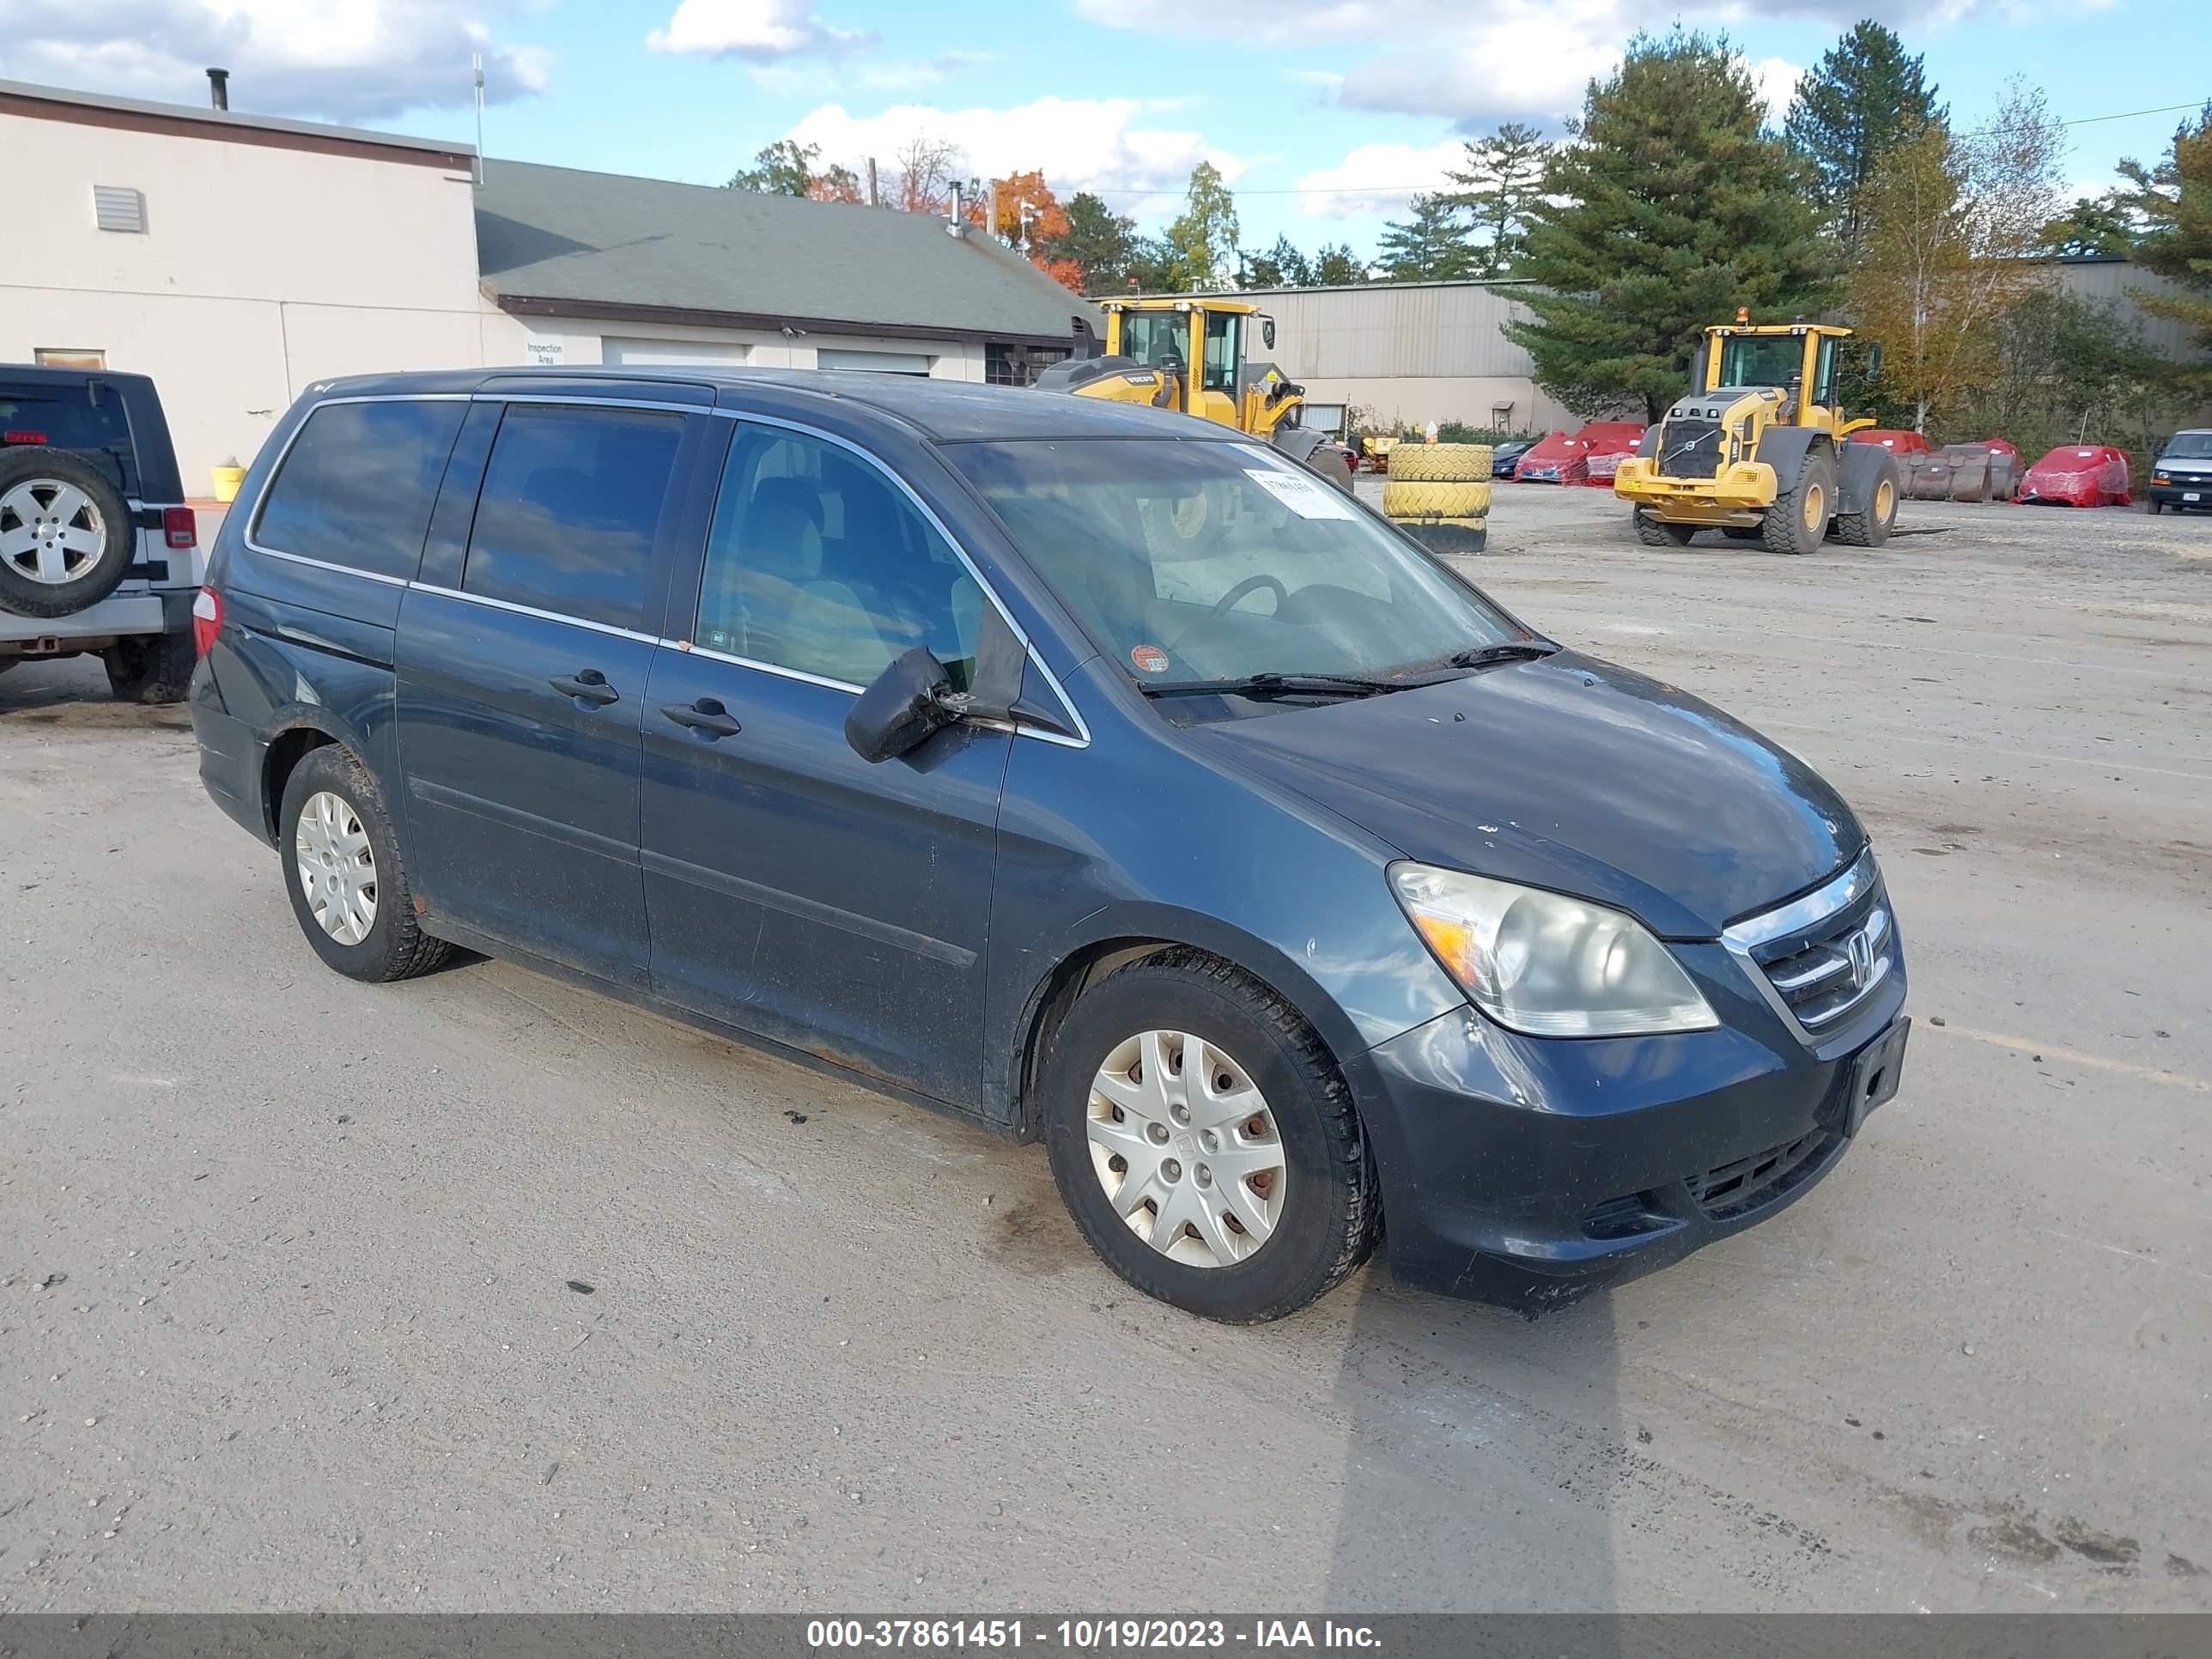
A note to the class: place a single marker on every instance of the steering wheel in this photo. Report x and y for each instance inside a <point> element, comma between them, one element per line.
<point>1227,602</point>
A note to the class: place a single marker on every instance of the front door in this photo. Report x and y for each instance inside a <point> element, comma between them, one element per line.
<point>521,692</point>
<point>794,889</point>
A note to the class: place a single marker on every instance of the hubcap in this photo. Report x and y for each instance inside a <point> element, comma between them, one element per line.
<point>337,871</point>
<point>49,531</point>
<point>1816,507</point>
<point>1186,1149</point>
<point>1885,498</point>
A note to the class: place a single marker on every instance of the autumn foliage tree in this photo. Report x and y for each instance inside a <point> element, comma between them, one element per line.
<point>1021,211</point>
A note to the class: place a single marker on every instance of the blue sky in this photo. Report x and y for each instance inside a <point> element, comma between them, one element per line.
<point>1320,112</point>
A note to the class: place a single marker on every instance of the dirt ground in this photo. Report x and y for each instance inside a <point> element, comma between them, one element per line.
<point>286,1310</point>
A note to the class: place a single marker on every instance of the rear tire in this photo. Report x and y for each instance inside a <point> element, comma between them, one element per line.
<point>1657,532</point>
<point>1320,1222</point>
<point>66,538</point>
<point>1871,527</point>
<point>153,669</point>
<point>344,872</point>
<point>1798,522</point>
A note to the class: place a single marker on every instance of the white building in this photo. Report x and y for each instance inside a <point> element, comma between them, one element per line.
<point>237,259</point>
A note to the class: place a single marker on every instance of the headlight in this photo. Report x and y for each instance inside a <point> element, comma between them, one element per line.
<point>1545,964</point>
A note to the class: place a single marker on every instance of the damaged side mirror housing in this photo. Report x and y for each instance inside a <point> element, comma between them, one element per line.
<point>910,703</point>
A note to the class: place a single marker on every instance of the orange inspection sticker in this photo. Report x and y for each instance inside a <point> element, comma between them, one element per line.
<point>1150,658</point>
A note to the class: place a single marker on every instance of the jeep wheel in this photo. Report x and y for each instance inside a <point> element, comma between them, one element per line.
<point>66,537</point>
<point>152,668</point>
<point>1203,1140</point>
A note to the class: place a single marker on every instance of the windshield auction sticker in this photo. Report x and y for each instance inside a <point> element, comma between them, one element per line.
<point>1149,658</point>
<point>1309,498</point>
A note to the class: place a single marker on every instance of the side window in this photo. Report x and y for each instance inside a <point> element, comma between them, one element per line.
<point>816,563</point>
<point>358,483</point>
<point>1222,329</point>
<point>571,502</point>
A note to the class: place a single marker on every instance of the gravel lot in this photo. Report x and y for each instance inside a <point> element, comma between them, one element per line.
<point>285,1318</point>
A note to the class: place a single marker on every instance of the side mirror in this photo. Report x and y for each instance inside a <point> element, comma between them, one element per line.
<point>1268,332</point>
<point>910,703</point>
<point>1873,360</point>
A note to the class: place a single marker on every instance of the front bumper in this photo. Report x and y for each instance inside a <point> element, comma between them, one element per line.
<point>1530,1172</point>
<point>2172,494</point>
<point>1745,486</point>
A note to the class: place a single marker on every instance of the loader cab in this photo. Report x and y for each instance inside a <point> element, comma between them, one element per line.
<point>1201,343</point>
<point>1809,361</point>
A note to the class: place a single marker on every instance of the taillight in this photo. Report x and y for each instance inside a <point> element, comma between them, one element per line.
<point>180,526</point>
<point>207,620</point>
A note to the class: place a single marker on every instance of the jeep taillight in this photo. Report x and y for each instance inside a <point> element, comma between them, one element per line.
<point>207,620</point>
<point>179,526</point>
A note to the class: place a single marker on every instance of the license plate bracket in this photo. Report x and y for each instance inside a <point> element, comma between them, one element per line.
<point>2188,494</point>
<point>1874,1075</point>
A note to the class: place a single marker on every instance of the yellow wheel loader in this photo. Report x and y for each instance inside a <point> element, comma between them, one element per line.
<point>1190,355</point>
<point>1757,449</point>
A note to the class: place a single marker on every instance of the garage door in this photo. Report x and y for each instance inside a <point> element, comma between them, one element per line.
<point>876,362</point>
<point>673,353</point>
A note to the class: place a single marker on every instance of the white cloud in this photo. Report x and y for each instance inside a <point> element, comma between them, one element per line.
<point>360,60</point>
<point>1378,178</point>
<point>1080,143</point>
<point>1777,79</point>
<point>760,30</point>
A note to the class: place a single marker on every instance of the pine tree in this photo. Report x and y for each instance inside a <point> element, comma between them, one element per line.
<point>1203,239</point>
<point>1281,266</point>
<point>1338,266</point>
<point>1432,245</point>
<point>1502,181</point>
<point>2174,203</point>
<point>1671,209</point>
<point>1097,241</point>
<point>1865,96</point>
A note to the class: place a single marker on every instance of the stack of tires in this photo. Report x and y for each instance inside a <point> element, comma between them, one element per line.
<point>1439,494</point>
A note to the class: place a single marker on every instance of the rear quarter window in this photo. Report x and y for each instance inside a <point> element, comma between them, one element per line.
<point>85,419</point>
<point>357,485</point>
<point>571,504</point>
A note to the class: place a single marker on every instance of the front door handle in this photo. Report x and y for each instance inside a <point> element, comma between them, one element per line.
<point>586,686</point>
<point>707,717</point>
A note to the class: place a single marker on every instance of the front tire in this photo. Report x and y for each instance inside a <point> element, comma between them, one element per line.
<point>1798,522</point>
<point>343,870</point>
<point>1204,1141</point>
<point>1657,532</point>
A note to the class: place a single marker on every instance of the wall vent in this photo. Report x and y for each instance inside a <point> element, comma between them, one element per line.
<point>118,207</point>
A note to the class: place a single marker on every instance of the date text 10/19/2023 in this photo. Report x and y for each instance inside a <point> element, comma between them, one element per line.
<point>1083,1635</point>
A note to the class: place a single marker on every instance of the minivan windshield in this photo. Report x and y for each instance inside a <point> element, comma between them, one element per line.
<point>1197,561</point>
<point>2189,447</point>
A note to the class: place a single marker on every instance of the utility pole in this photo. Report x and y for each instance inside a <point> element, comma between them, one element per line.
<point>476,67</point>
<point>994,209</point>
<point>873,199</point>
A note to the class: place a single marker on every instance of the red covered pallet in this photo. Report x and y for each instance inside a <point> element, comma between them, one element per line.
<point>2078,475</point>
<point>1899,440</point>
<point>1564,458</point>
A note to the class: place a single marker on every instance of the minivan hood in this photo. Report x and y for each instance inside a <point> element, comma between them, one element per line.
<point>1570,774</point>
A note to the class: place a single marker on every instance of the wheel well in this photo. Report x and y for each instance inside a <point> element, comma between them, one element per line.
<point>1050,1003</point>
<point>286,750</point>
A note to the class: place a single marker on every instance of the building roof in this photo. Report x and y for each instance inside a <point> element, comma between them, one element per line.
<point>198,121</point>
<point>560,242</point>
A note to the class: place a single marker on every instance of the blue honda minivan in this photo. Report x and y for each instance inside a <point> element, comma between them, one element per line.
<point>1097,774</point>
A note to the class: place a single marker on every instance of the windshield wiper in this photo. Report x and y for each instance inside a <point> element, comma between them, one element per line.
<point>1278,685</point>
<point>1507,651</point>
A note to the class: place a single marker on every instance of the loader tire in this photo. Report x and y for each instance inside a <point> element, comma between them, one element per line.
<point>1455,537</point>
<point>1870,528</point>
<point>1440,463</point>
<point>1657,532</point>
<point>1798,522</point>
<point>1404,498</point>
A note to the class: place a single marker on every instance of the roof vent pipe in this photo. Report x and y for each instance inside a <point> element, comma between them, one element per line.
<point>219,88</point>
<point>959,225</point>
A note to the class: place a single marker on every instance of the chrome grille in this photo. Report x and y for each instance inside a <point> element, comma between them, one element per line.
<point>1820,957</point>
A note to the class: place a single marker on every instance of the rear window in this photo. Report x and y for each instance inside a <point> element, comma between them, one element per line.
<point>571,502</point>
<point>85,418</point>
<point>358,483</point>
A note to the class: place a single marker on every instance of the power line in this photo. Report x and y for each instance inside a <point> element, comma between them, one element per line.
<point>1401,190</point>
